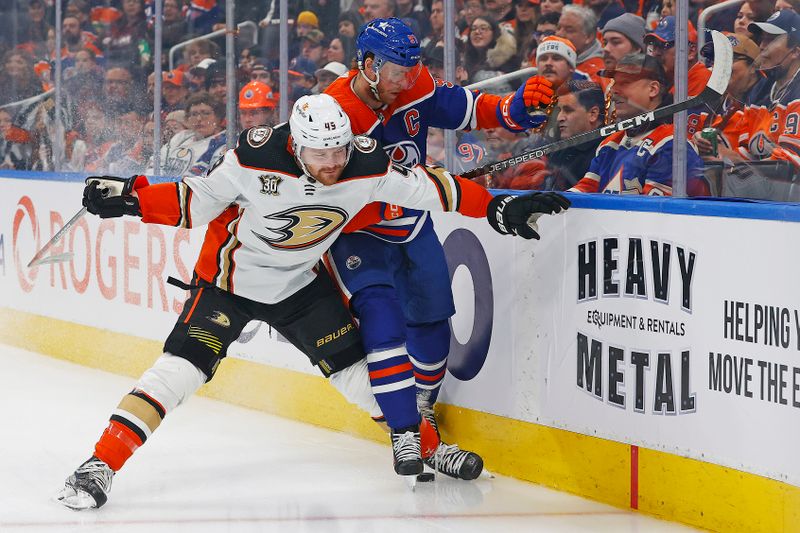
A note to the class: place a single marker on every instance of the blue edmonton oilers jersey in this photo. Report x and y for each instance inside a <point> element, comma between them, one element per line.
<point>402,128</point>
<point>636,165</point>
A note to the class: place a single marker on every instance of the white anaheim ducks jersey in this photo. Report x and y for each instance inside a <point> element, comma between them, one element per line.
<point>269,225</point>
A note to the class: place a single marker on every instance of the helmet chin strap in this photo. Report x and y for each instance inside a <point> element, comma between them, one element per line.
<point>373,85</point>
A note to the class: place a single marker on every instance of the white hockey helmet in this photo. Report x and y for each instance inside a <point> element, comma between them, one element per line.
<point>318,121</point>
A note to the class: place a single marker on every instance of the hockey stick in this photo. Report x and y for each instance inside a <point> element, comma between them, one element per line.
<point>717,84</point>
<point>39,258</point>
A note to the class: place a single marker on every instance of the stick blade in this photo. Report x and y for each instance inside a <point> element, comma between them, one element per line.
<point>723,62</point>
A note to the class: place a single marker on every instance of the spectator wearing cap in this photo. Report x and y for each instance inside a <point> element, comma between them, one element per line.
<point>305,22</point>
<point>378,9</point>
<point>729,116</point>
<point>622,35</point>
<point>772,131</point>
<point>302,77</point>
<point>578,24</point>
<point>327,74</point>
<point>173,91</point>
<point>216,81</point>
<point>256,105</point>
<point>259,71</point>
<point>638,160</point>
<point>312,47</point>
<point>490,50</point>
<point>556,58</point>
<point>660,44</point>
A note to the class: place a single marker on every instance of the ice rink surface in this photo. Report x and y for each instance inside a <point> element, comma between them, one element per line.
<point>214,467</point>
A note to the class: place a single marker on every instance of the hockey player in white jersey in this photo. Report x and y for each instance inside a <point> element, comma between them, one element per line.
<point>273,206</point>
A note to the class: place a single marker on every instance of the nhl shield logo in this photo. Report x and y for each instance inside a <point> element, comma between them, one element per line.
<point>364,144</point>
<point>269,184</point>
<point>353,262</point>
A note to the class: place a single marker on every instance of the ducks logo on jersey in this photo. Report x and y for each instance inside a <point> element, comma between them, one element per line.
<point>302,227</point>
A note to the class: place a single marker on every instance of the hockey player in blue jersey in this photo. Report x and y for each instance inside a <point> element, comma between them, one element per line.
<point>394,271</point>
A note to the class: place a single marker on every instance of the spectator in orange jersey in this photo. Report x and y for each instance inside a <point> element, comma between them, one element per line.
<point>729,118</point>
<point>772,126</point>
<point>578,24</point>
<point>661,45</point>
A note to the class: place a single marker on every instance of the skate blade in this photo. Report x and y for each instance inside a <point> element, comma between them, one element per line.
<point>485,474</point>
<point>75,500</point>
<point>411,481</point>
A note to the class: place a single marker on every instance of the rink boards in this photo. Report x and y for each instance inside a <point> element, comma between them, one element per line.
<point>644,353</point>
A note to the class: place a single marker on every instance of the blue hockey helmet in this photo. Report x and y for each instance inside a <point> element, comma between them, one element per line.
<point>388,40</point>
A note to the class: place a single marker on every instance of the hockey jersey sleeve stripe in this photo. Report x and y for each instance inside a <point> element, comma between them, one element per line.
<point>218,241</point>
<point>388,231</point>
<point>165,204</point>
<point>473,199</point>
<point>228,263</point>
<point>486,111</point>
<point>468,116</point>
<point>445,192</point>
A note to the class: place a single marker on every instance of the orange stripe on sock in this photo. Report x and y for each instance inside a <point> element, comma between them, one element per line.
<point>423,377</point>
<point>391,371</point>
<point>116,445</point>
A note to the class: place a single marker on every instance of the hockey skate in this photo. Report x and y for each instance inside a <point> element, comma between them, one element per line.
<point>449,459</point>
<point>406,450</point>
<point>88,487</point>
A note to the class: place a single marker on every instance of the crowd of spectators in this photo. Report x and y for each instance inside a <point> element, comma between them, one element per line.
<point>107,60</point>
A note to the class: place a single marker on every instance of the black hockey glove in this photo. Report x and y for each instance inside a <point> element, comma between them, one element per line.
<point>111,197</point>
<point>517,215</point>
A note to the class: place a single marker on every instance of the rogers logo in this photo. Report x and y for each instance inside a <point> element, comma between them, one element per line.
<point>25,212</point>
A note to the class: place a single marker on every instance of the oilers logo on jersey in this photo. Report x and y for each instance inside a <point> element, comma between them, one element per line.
<point>404,153</point>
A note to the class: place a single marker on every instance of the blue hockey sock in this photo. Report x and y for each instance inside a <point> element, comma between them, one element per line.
<point>428,346</point>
